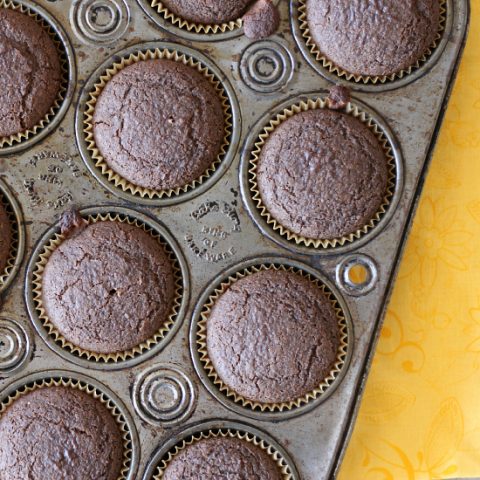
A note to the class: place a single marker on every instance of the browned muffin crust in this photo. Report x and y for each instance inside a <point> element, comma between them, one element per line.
<point>220,458</point>
<point>31,73</point>
<point>338,97</point>
<point>5,238</point>
<point>373,38</point>
<point>261,20</point>
<point>208,12</point>
<point>159,124</point>
<point>72,223</point>
<point>109,288</point>
<point>273,336</point>
<point>59,432</point>
<point>322,174</point>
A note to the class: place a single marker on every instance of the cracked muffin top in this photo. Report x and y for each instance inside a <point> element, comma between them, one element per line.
<point>322,174</point>
<point>222,458</point>
<point>5,238</point>
<point>59,432</point>
<point>108,288</point>
<point>373,38</point>
<point>273,336</point>
<point>159,124</point>
<point>208,12</point>
<point>31,72</point>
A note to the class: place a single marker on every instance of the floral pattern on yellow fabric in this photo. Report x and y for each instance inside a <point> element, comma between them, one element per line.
<point>419,417</point>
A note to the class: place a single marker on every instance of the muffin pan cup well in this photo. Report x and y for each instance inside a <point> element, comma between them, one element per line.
<point>151,346</point>
<point>272,227</point>
<point>67,379</point>
<point>167,20</point>
<point>334,73</point>
<point>218,429</point>
<point>17,247</point>
<point>25,139</point>
<point>235,401</point>
<point>93,157</point>
<point>212,230</point>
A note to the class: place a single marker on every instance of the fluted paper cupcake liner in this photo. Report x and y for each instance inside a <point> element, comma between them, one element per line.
<point>12,258</point>
<point>303,106</point>
<point>100,163</point>
<point>201,343</point>
<point>94,392</point>
<point>282,464</point>
<point>60,340</point>
<point>200,28</point>
<point>29,133</point>
<point>330,66</point>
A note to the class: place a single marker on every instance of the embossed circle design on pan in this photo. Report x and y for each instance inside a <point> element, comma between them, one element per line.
<point>131,359</point>
<point>266,66</point>
<point>164,395</point>
<point>100,21</point>
<point>15,345</point>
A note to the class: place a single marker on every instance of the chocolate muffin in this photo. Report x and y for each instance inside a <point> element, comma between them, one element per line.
<point>5,238</point>
<point>207,12</point>
<point>222,458</point>
<point>159,124</point>
<point>109,288</point>
<point>59,432</point>
<point>373,38</point>
<point>31,72</point>
<point>273,336</point>
<point>322,174</point>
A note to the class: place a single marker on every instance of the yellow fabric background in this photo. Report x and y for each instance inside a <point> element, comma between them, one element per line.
<point>420,417</point>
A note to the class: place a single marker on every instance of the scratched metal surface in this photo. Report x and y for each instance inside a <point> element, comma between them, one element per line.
<point>214,230</point>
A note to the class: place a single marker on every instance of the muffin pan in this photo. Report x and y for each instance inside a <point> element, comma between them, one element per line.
<point>214,229</point>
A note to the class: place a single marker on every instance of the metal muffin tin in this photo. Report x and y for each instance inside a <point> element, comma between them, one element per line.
<point>163,394</point>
